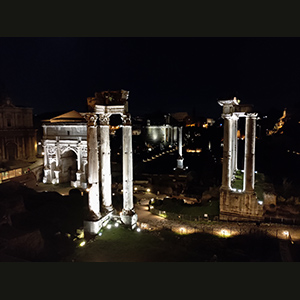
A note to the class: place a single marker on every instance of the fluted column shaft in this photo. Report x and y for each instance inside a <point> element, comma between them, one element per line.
<point>127,165</point>
<point>105,163</point>
<point>249,159</point>
<point>93,165</point>
<point>227,152</point>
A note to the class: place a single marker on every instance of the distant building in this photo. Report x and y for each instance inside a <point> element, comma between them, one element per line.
<point>17,134</point>
<point>160,130</point>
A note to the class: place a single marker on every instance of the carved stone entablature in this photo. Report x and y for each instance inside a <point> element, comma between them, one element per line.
<point>116,109</point>
<point>126,119</point>
<point>110,110</point>
<point>104,119</point>
<point>91,119</point>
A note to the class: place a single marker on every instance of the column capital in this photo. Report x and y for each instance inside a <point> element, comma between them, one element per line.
<point>251,115</point>
<point>104,119</point>
<point>91,119</point>
<point>228,116</point>
<point>126,119</point>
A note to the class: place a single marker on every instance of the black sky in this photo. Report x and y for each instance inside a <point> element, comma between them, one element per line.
<point>168,74</point>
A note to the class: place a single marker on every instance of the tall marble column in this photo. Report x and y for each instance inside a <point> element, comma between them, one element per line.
<point>180,158</point>
<point>47,171</point>
<point>175,134</point>
<point>127,166</point>
<point>234,144</point>
<point>249,159</point>
<point>79,163</point>
<point>227,152</point>
<point>93,167</point>
<point>56,170</point>
<point>105,163</point>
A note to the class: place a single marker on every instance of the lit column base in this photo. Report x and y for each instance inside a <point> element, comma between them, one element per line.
<point>180,163</point>
<point>56,175</point>
<point>46,178</point>
<point>93,227</point>
<point>129,218</point>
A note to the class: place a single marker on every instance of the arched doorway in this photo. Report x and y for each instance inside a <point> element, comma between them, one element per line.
<point>68,166</point>
<point>11,150</point>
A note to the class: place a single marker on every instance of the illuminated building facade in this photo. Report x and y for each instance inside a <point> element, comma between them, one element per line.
<point>17,134</point>
<point>238,204</point>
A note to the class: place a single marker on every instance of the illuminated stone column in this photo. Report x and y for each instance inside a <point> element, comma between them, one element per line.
<point>227,152</point>
<point>79,163</point>
<point>234,144</point>
<point>57,160</point>
<point>175,134</point>
<point>127,164</point>
<point>180,158</point>
<point>47,171</point>
<point>249,159</point>
<point>105,163</point>
<point>128,215</point>
<point>93,167</point>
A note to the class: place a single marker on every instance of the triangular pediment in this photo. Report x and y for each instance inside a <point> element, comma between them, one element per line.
<point>71,116</point>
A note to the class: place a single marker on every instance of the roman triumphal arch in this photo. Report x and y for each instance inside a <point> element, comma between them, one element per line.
<point>238,204</point>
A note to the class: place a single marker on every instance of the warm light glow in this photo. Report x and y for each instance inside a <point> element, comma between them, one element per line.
<point>148,190</point>
<point>82,244</point>
<point>286,233</point>
<point>116,224</point>
<point>138,229</point>
<point>182,230</point>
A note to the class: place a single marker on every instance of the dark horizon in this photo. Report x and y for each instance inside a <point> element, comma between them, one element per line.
<point>166,74</point>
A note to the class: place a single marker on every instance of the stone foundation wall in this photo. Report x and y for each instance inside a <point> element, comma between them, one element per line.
<point>239,207</point>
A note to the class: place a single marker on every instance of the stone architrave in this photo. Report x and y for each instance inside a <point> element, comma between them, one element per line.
<point>249,159</point>
<point>93,167</point>
<point>105,163</point>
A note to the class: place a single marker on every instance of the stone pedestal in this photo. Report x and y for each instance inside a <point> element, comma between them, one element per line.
<point>47,175</point>
<point>239,207</point>
<point>129,218</point>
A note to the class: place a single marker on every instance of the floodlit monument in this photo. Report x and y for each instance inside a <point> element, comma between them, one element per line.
<point>65,149</point>
<point>77,150</point>
<point>242,204</point>
<point>101,107</point>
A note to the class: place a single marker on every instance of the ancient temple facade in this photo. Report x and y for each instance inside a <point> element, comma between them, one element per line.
<point>238,204</point>
<point>17,134</point>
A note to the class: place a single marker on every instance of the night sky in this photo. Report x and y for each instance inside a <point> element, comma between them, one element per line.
<point>166,74</point>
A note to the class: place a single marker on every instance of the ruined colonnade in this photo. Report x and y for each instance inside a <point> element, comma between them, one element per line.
<point>238,204</point>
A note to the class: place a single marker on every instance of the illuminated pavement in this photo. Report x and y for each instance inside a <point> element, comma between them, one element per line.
<point>149,221</point>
